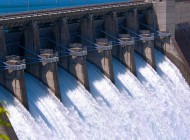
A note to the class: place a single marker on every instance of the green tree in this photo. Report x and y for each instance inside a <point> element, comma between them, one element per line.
<point>3,112</point>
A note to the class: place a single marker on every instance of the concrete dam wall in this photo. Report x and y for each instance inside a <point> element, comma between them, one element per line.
<point>38,42</point>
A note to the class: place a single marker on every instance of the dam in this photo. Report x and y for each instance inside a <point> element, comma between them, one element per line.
<point>95,69</point>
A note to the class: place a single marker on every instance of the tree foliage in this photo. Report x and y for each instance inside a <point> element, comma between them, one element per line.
<point>3,123</point>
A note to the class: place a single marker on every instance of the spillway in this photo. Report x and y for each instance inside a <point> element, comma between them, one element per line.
<point>170,110</point>
<point>21,120</point>
<point>174,79</point>
<point>48,111</point>
<point>98,118</point>
<point>138,98</point>
<point>118,103</point>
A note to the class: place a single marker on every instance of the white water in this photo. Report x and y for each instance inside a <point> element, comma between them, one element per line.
<point>156,106</point>
<point>128,84</point>
<point>174,79</point>
<point>170,110</point>
<point>49,112</point>
<point>98,119</point>
<point>23,123</point>
<point>133,127</point>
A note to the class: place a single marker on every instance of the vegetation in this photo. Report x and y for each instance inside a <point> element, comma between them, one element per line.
<point>3,112</point>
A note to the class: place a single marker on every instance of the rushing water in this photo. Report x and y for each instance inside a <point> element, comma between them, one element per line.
<point>98,119</point>
<point>23,123</point>
<point>153,105</point>
<point>175,81</point>
<point>128,84</point>
<point>171,111</point>
<point>119,104</point>
<point>48,111</point>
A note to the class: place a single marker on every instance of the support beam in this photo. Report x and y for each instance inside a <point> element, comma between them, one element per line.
<point>46,70</point>
<point>3,50</point>
<point>151,18</point>
<point>125,52</point>
<point>132,21</point>
<point>87,30</point>
<point>146,47</point>
<point>77,64</point>
<point>61,37</point>
<point>111,25</point>
<point>102,57</point>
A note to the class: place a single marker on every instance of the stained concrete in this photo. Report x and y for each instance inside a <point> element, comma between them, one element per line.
<point>13,80</point>
<point>77,64</point>
<point>111,26</point>
<point>132,21</point>
<point>87,30</point>
<point>125,52</point>
<point>102,58</point>
<point>61,37</point>
<point>46,70</point>
<point>146,48</point>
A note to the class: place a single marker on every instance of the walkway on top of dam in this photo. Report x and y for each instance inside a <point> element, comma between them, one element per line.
<point>22,18</point>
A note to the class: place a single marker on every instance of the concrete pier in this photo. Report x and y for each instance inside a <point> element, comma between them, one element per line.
<point>150,18</point>
<point>3,50</point>
<point>125,52</point>
<point>102,57</point>
<point>132,21</point>
<point>146,47</point>
<point>46,70</point>
<point>61,37</point>
<point>87,30</point>
<point>111,25</point>
<point>163,42</point>
<point>77,64</point>
<point>13,77</point>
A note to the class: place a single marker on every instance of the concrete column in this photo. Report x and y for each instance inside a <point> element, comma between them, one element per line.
<point>3,50</point>
<point>132,22</point>
<point>32,43</point>
<point>49,71</point>
<point>151,18</point>
<point>87,30</point>
<point>125,52</point>
<point>77,64</point>
<point>163,42</point>
<point>111,25</point>
<point>46,70</point>
<point>6,130</point>
<point>61,37</point>
<point>146,49</point>
<point>14,78</point>
<point>102,57</point>
<point>165,12</point>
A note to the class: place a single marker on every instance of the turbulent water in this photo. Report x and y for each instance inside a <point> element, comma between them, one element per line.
<point>138,97</point>
<point>170,110</point>
<point>97,118</point>
<point>132,126</point>
<point>49,112</point>
<point>153,105</point>
<point>23,123</point>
